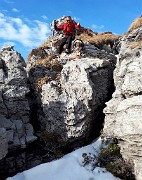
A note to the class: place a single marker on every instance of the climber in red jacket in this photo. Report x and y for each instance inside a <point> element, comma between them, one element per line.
<point>69,33</point>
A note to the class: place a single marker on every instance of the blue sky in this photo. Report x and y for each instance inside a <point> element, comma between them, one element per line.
<point>26,24</point>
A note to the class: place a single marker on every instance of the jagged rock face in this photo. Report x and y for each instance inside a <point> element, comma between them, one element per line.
<point>124,111</point>
<point>65,102</point>
<point>14,107</point>
<point>3,143</point>
<point>71,108</point>
<point>69,103</point>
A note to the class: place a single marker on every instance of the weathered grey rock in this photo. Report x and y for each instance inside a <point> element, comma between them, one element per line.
<point>69,100</point>
<point>3,143</point>
<point>14,107</point>
<point>124,111</point>
<point>71,105</point>
<point>1,76</point>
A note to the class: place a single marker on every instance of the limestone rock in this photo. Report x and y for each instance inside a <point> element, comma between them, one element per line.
<point>124,110</point>
<point>68,90</point>
<point>14,105</point>
<point>70,101</point>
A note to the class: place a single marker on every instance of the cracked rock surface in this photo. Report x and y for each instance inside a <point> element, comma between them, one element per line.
<point>124,111</point>
<point>14,107</point>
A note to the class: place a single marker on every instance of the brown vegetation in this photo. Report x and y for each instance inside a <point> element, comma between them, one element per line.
<point>47,43</point>
<point>51,63</point>
<point>110,158</point>
<point>40,81</point>
<point>86,31</point>
<point>100,39</point>
<point>135,44</point>
<point>87,35</point>
<point>137,23</point>
<point>44,62</point>
<point>51,144</point>
<point>40,53</point>
<point>56,66</point>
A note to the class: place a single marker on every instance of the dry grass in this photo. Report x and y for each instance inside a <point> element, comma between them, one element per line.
<point>53,65</point>
<point>87,31</point>
<point>47,43</point>
<point>56,66</point>
<point>87,35</point>
<point>50,62</point>
<point>40,81</point>
<point>137,23</point>
<point>136,44</point>
<point>39,52</point>
<point>44,62</point>
<point>99,39</point>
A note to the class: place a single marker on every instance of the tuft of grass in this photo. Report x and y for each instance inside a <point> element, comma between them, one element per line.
<point>111,159</point>
<point>135,44</point>
<point>46,43</point>
<point>52,142</point>
<point>40,53</point>
<point>56,66</point>
<point>51,62</point>
<point>137,23</point>
<point>52,65</point>
<point>99,40</point>
<point>86,31</point>
<point>44,62</point>
<point>40,81</point>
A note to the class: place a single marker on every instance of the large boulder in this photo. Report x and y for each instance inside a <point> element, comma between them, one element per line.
<point>68,95</point>
<point>124,111</point>
<point>71,105</point>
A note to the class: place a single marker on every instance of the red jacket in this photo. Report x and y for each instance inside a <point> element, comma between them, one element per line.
<point>68,28</point>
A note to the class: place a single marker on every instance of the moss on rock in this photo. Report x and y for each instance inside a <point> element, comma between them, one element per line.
<point>111,158</point>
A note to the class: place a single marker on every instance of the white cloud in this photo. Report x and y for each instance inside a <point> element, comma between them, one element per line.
<point>97,27</point>
<point>15,10</point>
<point>30,34</point>
<point>44,17</point>
<point>1,15</point>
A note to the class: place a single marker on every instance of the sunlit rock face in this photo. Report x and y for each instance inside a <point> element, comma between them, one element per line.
<point>14,107</point>
<point>124,111</point>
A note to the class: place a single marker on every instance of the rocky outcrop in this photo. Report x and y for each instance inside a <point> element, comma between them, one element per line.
<point>71,106</point>
<point>61,98</point>
<point>14,107</point>
<point>69,94</point>
<point>124,110</point>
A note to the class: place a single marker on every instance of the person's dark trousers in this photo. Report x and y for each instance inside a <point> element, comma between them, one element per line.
<point>66,40</point>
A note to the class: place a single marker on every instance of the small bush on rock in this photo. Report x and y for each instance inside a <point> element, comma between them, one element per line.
<point>111,159</point>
